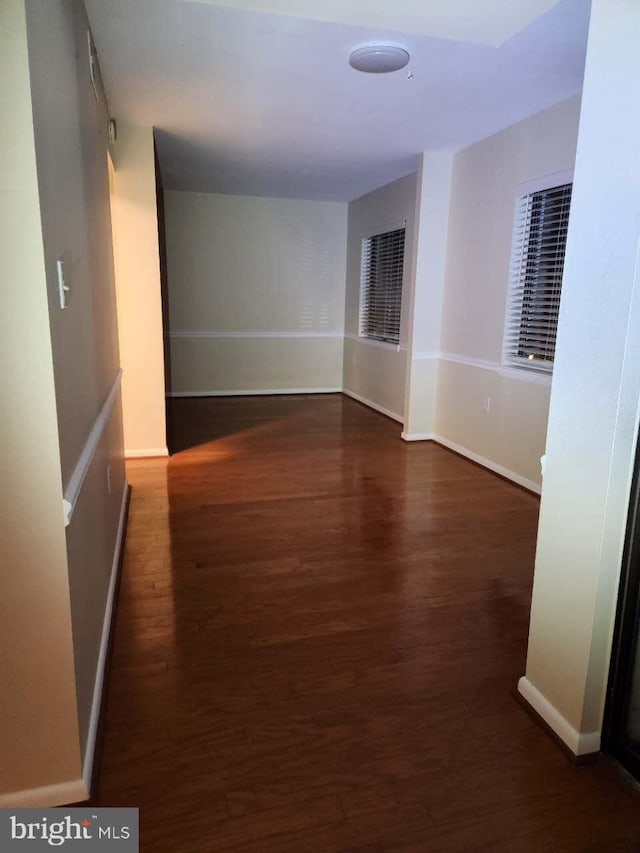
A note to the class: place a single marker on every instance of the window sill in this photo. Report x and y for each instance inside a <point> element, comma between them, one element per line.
<point>526,374</point>
<point>374,342</point>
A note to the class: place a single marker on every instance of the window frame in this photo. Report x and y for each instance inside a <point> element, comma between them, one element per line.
<point>387,228</point>
<point>524,190</point>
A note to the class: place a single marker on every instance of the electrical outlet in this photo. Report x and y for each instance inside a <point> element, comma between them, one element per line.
<point>109,479</point>
<point>486,405</point>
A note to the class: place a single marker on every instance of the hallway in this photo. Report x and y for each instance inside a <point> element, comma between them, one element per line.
<point>319,634</point>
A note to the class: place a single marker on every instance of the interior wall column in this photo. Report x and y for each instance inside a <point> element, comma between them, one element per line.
<point>39,736</point>
<point>594,400</point>
<point>136,250</point>
<point>427,291</point>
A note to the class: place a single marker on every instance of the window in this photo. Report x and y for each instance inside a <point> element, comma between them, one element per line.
<point>535,280</point>
<point>381,286</point>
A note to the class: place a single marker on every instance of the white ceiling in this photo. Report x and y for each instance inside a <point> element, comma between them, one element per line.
<point>254,103</point>
<point>489,22</point>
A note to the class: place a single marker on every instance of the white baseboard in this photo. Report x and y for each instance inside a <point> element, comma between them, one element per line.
<point>255,392</point>
<point>415,436</point>
<point>418,436</point>
<point>475,457</point>
<point>47,796</point>
<point>365,401</point>
<point>89,755</point>
<point>146,453</point>
<point>580,743</point>
<point>490,464</point>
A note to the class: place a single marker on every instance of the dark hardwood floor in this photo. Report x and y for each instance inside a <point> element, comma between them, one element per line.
<point>319,635</point>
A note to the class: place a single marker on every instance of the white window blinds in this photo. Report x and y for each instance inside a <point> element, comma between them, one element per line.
<point>537,264</point>
<point>381,275</point>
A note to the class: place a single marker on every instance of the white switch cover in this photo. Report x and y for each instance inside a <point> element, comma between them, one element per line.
<point>62,287</point>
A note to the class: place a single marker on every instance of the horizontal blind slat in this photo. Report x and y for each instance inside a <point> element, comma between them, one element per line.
<point>541,221</point>
<point>381,279</point>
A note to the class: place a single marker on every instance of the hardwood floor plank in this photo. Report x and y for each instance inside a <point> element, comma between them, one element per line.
<point>319,633</point>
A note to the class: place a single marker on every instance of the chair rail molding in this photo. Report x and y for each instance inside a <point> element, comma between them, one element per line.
<point>298,334</point>
<point>425,356</point>
<point>503,370</point>
<point>76,481</point>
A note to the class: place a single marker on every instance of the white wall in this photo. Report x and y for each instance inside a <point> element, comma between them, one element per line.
<point>64,423</point>
<point>373,370</point>
<point>256,293</point>
<point>139,295</point>
<point>71,143</point>
<point>485,181</point>
<point>428,282</point>
<point>593,418</point>
<point>39,739</point>
<point>70,127</point>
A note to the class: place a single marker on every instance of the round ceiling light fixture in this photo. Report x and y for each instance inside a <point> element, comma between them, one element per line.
<point>379,58</point>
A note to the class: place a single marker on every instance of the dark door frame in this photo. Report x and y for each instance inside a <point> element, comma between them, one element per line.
<point>626,637</point>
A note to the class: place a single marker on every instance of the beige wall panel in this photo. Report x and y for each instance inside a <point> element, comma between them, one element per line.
<point>137,260</point>
<point>243,265</point>
<point>485,182</point>
<point>378,373</point>
<point>255,364</point>
<point>38,721</point>
<point>71,144</point>
<point>238,264</point>
<point>375,373</point>
<point>70,127</point>
<point>484,186</point>
<point>91,542</point>
<point>511,434</point>
<point>593,417</point>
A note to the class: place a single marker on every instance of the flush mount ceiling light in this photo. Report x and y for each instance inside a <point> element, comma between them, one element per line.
<point>379,58</point>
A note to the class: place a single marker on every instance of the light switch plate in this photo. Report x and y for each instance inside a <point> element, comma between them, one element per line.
<point>62,287</point>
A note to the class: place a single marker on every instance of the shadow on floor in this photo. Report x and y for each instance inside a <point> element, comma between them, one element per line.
<point>198,421</point>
